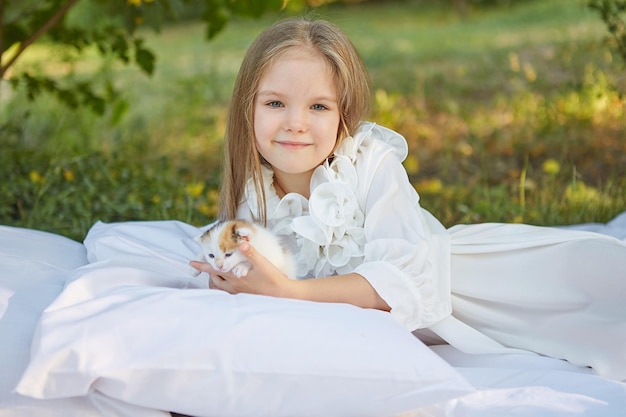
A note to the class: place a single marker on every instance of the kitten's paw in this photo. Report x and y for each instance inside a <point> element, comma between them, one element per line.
<point>241,270</point>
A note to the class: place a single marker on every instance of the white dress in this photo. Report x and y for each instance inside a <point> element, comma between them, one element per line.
<point>482,288</point>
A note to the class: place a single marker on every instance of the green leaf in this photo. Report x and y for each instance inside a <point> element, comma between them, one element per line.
<point>144,58</point>
<point>68,97</point>
<point>13,33</point>
<point>97,104</point>
<point>216,16</point>
<point>119,46</point>
<point>120,108</point>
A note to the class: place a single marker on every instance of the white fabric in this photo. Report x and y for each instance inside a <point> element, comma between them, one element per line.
<point>553,291</point>
<point>134,335</point>
<point>161,246</point>
<point>33,269</point>
<point>511,385</point>
<point>363,207</point>
<point>556,292</point>
<point>616,227</point>
<point>516,385</point>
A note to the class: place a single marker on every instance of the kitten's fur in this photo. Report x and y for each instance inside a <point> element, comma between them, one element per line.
<point>220,247</point>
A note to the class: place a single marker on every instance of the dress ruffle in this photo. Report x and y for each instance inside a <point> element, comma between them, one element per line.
<point>328,227</point>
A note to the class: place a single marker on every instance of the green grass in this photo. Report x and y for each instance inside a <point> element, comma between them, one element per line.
<point>491,103</point>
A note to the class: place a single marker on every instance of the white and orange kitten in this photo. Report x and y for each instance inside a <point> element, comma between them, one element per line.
<point>220,247</point>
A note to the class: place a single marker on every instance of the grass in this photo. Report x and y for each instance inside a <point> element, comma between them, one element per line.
<point>512,114</point>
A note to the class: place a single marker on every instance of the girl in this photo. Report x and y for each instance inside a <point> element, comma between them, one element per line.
<point>300,160</point>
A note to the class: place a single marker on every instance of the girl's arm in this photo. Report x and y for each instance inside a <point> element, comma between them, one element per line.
<point>265,279</point>
<point>406,256</point>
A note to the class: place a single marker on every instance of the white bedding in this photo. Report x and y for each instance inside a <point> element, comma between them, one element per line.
<point>261,356</point>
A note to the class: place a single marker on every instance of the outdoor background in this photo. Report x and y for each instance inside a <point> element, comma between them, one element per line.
<point>513,111</point>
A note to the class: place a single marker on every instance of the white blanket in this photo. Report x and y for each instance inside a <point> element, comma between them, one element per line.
<point>131,279</point>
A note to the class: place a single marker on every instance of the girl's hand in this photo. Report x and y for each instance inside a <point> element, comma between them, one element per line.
<point>206,267</point>
<point>263,278</point>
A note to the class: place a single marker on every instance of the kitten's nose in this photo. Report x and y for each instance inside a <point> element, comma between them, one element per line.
<point>219,264</point>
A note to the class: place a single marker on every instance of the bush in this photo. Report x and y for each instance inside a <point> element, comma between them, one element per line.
<point>66,193</point>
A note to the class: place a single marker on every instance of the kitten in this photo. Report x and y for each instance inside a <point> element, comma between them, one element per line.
<point>220,247</point>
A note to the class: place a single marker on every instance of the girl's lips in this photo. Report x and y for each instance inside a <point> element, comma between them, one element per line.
<point>292,145</point>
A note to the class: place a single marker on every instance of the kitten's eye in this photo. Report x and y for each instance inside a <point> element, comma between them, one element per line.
<point>227,255</point>
<point>211,256</point>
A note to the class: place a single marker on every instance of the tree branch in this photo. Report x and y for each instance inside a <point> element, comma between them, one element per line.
<point>1,32</point>
<point>47,26</point>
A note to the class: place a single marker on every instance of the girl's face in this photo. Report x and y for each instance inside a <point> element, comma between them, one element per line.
<point>296,117</point>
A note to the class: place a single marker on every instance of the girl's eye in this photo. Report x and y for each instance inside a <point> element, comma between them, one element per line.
<point>318,107</point>
<point>274,104</point>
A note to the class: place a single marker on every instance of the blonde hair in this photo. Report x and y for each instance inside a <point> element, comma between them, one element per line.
<point>242,160</point>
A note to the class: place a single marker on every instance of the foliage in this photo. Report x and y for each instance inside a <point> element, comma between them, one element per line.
<point>510,114</point>
<point>613,13</point>
<point>111,26</point>
<point>68,193</point>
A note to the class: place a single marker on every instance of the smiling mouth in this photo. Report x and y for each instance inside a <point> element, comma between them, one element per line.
<point>293,145</point>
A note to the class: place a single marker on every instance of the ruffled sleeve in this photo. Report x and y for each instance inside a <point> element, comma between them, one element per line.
<point>406,255</point>
<point>363,216</point>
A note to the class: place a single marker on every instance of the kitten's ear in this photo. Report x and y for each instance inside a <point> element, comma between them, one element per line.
<point>198,239</point>
<point>244,233</point>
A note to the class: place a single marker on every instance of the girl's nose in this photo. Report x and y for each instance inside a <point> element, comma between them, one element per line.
<point>296,121</point>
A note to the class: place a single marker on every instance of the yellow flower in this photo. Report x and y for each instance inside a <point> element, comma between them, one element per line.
<point>194,189</point>
<point>579,192</point>
<point>68,175</point>
<point>213,195</point>
<point>464,149</point>
<point>134,2</point>
<point>551,166</point>
<point>156,199</point>
<point>209,210</point>
<point>35,177</point>
<point>209,206</point>
<point>514,62</point>
<point>411,164</point>
<point>529,72</point>
<point>518,219</point>
<point>430,186</point>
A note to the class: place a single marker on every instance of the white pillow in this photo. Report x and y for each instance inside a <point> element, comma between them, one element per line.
<point>33,268</point>
<point>41,247</point>
<point>164,246</point>
<point>134,335</point>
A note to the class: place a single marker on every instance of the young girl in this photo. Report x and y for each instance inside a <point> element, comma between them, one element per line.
<point>300,160</point>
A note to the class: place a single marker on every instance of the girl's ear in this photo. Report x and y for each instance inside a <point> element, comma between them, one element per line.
<point>244,233</point>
